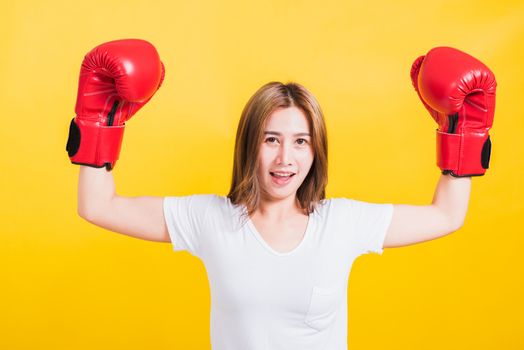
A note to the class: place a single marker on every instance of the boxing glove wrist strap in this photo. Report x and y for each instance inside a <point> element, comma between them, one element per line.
<point>464,154</point>
<point>94,145</point>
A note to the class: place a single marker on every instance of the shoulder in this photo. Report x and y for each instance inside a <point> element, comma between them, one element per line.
<point>328,204</point>
<point>332,208</point>
<point>200,204</point>
<point>201,207</point>
<point>348,203</point>
<point>214,204</point>
<point>192,199</point>
<point>347,207</point>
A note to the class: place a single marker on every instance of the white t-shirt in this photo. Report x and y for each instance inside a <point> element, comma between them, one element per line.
<point>265,300</point>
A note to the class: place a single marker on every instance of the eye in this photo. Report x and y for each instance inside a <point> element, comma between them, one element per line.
<point>271,139</point>
<point>302,143</point>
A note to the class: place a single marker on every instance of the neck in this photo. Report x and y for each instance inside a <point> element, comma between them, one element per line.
<point>279,210</point>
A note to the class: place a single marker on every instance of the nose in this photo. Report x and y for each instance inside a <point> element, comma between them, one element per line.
<point>284,156</point>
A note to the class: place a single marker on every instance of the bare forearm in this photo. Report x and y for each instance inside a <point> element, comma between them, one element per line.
<point>95,186</point>
<point>452,197</point>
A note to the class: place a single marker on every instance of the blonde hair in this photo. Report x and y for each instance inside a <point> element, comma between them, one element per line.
<point>250,133</point>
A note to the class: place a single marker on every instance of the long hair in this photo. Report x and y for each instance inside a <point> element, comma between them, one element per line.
<point>245,188</point>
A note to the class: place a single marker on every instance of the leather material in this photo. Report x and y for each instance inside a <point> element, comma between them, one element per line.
<point>459,92</point>
<point>117,78</point>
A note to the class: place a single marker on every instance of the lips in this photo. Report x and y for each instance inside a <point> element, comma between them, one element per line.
<point>281,180</point>
<point>282,173</point>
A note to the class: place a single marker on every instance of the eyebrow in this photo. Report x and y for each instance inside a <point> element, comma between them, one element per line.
<point>280,134</point>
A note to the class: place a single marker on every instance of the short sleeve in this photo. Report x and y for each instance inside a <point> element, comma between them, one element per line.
<point>370,222</point>
<point>185,218</point>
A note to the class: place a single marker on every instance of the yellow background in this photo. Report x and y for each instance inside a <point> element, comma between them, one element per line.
<point>67,284</point>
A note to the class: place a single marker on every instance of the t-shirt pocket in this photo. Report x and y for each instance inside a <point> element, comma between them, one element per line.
<point>323,308</point>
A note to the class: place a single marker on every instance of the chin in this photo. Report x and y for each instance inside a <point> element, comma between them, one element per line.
<point>281,194</point>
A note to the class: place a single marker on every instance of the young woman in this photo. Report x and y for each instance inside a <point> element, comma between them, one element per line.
<point>277,252</point>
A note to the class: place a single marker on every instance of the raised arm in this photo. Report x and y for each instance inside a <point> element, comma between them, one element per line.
<point>117,78</point>
<point>98,203</point>
<point>415,224</point>
<point>459,92</point>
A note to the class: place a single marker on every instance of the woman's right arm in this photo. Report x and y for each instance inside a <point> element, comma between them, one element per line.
<point>98,203</point>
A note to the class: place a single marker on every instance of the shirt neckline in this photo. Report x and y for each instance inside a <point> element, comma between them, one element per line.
<point>262,241</point>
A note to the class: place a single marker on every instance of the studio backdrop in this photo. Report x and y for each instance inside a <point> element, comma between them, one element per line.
<point>67,284</point>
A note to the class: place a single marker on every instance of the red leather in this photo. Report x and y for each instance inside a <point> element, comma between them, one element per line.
<point>124,74</point>
<point>459,92</point>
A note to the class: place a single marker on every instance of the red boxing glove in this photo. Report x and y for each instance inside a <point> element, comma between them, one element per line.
<point>459,92</point>
<point>116,79</point>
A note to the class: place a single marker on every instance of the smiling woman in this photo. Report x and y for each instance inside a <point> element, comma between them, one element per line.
<point>284,125</point>
<point>278,253</point>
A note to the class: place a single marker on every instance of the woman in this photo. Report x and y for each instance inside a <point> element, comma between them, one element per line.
<point>277,252</point>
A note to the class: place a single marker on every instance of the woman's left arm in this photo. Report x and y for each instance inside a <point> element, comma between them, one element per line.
<point>412,224</point>
<point>459,92</point>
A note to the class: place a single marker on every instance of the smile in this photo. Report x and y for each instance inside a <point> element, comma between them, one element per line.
<point>281,179</point>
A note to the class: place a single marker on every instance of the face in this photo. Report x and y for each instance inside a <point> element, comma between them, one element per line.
<point>286,150</point>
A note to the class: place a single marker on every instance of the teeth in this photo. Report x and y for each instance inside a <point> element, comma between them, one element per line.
<point>282,174</point>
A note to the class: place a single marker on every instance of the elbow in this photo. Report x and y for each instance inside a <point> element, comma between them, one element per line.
<point>85,213</point>
<point>89,210</point>
<point>456,225</point>
<point>81,210</point>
